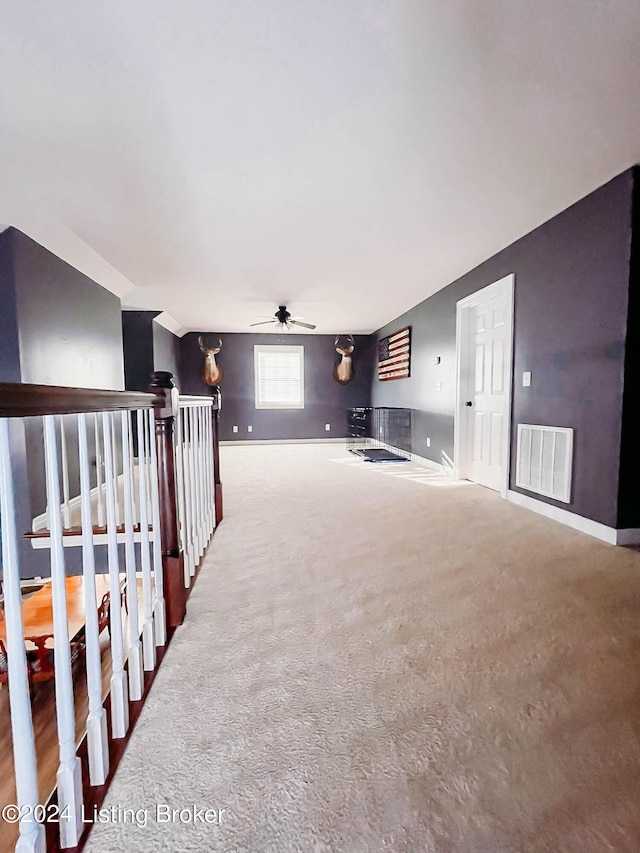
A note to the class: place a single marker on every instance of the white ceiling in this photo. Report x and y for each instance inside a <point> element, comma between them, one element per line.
<point>216,158</point>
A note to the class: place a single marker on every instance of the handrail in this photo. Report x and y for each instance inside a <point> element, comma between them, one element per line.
<point>22,400</point>
<point>193,400</point>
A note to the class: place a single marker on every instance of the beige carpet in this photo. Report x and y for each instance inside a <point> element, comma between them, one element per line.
<point>379,661</point>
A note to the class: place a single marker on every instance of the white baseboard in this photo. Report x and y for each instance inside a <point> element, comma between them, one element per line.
<point>285,441</point>
<point>434,466</point>
<point>624,536</point>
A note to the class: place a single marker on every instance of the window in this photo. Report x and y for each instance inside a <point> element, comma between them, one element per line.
<point>279,372</point>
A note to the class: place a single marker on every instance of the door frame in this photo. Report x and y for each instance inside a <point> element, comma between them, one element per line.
<point>461,447</point>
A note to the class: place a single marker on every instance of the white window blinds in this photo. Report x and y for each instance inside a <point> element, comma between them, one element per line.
<point>279,375</point>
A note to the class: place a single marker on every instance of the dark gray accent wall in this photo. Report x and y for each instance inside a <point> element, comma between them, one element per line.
<point>69,327</point>
<point>571,299</point>
<point>147,347</point>
<point>57,327</point>
<point>9,343</point>
<point>325,400</point>
<point>137,342</point>
<point>166,351</point>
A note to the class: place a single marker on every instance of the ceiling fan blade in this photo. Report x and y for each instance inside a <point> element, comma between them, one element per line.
<point>299,323</point>
<point>262,323</point>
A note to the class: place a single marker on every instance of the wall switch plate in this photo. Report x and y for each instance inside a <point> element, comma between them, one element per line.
<point>438,386</point>
<point>235,428</point>
<point>249,429</point>
<point>428,442</point>
<point>526,378</point>
<point>327,427</point>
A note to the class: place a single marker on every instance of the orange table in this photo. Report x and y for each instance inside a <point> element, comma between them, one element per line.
<point>37,609</point>
<point>37,619</point>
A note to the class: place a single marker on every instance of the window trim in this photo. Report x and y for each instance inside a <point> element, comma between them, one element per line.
<point>259,349</point>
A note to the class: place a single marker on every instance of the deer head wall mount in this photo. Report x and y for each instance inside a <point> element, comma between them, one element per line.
<point>211,372</point>
<point>343,371</point>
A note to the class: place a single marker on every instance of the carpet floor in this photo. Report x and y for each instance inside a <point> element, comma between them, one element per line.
<point>376,658</point>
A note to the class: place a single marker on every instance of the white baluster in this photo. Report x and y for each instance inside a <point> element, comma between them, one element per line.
<point>97,743</point>
<point>148,641</point>
<point>203,462</point>
<point>188,493</point>
<point>116,479</point>
<point>158,580</point>
<point>66,509</point>
<point>205,475</point>
<point>119,691</point>
<point>134,508</point>
<point>136,677</point>
<point>180,483</point>
<point>100,494</point>
<point>147,466</point>
<point>193,489</point>
<point>195,482</point>
<point>195,485</point>
<point>209,468</point>
<point>32,837</point>
<point>212,470</point>
<point>69,777</point>
<point>197,414</point>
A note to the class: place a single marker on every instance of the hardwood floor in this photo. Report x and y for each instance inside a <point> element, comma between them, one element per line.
<point>46,736</point>
<point>43,709</point>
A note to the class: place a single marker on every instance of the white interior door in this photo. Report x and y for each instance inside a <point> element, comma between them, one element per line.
<point>485,326</point>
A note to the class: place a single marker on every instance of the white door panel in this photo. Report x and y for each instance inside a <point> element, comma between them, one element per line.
<point>486,364</point>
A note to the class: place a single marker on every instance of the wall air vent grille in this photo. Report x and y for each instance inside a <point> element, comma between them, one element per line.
<point>544,463</point>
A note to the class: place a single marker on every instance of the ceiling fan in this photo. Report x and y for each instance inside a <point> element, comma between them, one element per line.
<point>284,321</point>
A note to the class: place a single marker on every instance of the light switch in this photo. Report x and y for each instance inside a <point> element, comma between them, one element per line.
<point>526,379</point>
<point>438,386</point>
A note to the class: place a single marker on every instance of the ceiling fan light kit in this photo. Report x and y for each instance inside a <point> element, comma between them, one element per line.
<point>283,321</point>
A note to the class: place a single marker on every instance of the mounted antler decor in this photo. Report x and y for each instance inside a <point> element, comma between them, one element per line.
<point>343,371</point>
<point>211,372</point>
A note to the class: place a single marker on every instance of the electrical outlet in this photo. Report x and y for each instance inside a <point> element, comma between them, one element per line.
<point>327,427</point>
<point>428,442</point>
<point>235,428</point>
<point>249,429</point>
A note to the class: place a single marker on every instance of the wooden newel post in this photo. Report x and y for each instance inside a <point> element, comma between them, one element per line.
<point>166,411</point>
<point>217,403</point>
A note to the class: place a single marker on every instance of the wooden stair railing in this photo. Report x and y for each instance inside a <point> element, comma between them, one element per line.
<point>149,425</point>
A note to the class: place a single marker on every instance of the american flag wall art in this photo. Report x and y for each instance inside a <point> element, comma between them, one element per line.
<point>394,355</point>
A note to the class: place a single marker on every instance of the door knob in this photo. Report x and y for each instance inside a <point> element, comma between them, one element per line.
<point>469,403</point>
